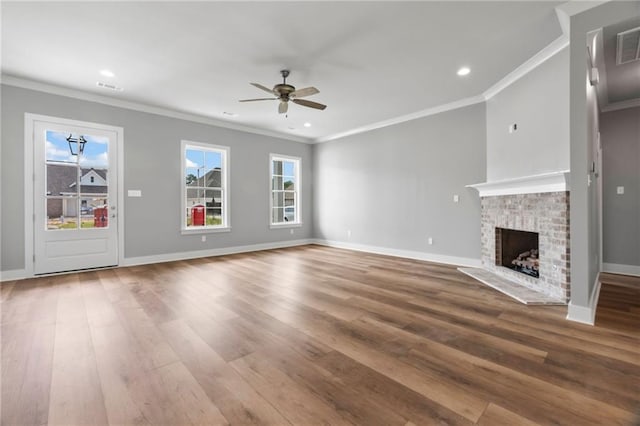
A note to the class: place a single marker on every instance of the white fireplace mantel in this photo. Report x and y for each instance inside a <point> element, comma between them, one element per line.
<point>546,182</point>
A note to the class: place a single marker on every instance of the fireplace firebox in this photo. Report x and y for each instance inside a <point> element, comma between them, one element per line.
<point>518,250</point>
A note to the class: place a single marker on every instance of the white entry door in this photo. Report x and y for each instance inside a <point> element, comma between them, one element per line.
<point>74,195</point>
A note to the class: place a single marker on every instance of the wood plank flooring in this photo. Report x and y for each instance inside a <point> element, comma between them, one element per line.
<point>310,335</point>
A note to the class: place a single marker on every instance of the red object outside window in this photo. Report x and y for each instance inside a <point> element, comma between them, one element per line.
<point>100,217</point>
<point>197,215</point>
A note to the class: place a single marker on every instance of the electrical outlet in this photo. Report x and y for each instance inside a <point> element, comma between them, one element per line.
<point>203,238</point>
<point>620,190</point>
<point>292,231</point>
<point>430,241</point>
<point>456,198</point>
<point>348,233</point>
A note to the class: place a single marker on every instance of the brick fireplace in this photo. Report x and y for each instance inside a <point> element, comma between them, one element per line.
<point>536,204</point>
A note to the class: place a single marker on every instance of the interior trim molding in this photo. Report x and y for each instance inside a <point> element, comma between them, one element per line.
<point>617,106</point>
<point>546,53</point>
<point>617,268</point>
<point>407,254</point>
<point>532,63</point>
<point>21,274</point>
<point>13,275</point>
<point>404,118</point>
<point>170,257</point>
<point>545,182</point>
<point>10,80</point>
<point>586,314</point>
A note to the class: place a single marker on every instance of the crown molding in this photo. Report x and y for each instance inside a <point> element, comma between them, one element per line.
<point>535,61</point>
<point>10,80</point>
<point>539,58</point>
<point>616,106</point>
<point>403,118</point>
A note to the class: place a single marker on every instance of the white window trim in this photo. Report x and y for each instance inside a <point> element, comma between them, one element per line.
<point>298,176</point>
<point>226,219</point>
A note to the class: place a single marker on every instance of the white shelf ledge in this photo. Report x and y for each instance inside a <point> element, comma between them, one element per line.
<point>546,182</point>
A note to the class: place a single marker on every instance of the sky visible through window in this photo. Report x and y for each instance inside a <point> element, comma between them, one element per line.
<point>287,169</point>
<point>95,151</point>
<point>198,161</point>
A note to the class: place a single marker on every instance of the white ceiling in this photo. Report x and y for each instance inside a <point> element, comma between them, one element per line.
<point>371,61</point>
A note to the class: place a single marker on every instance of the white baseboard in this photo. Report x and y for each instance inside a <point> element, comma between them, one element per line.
<point>20,274</point>
<point>409,254</point>
<point>170,257</point>
<point>586,314</point>
<point>616,268</point>
<point>13,274</point>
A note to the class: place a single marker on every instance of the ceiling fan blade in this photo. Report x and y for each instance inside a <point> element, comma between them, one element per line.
<point>307,91</point>
<point>309,104</point>
<point>283,107</point>
<point>261,87</point>
<point>258,99</point>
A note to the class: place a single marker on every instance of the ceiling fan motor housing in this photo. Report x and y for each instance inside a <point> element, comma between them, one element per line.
<point>283,90</point>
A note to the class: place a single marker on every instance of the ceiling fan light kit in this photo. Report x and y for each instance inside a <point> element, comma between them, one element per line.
<point>285,92</point>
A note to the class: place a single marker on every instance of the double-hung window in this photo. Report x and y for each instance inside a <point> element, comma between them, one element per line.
<point>285,190</point>
<point>205,187</point>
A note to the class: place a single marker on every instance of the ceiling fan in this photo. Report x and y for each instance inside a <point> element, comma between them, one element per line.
<point>286,92</point>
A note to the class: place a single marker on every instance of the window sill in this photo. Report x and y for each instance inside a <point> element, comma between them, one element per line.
<point>285,225</point>
<point>204,231</point>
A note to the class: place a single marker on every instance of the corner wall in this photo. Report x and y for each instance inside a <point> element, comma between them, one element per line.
<point>539,104</point>
<point>390,189</point>
<point>584,232</point>
<point>620,138</point>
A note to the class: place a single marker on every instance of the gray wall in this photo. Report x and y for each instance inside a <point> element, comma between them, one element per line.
<point>584,229</point>
<point>152,164</point>
<point>393,187</point>
<point>539,104</point>
<point>620,137</point>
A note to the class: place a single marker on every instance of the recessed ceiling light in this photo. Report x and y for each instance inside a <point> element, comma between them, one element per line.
<point>231,114</point>
<point>307,124</point>
<point>464,71</point>
<point>107,73</point>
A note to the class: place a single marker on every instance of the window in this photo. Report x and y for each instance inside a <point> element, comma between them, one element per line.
<point>205,191</point>
<point>285,190</point>
<point>73,199</point>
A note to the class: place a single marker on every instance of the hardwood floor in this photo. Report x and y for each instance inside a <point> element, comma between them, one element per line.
<point>310,335</point>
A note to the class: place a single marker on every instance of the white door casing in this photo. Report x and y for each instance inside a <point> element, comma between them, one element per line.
<point>87,234</point>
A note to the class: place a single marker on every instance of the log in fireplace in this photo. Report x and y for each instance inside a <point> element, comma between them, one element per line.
<point>518,250</point>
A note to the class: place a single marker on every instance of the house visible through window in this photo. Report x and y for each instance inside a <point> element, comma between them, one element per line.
<point>204,172</point>
<point>285,190</point>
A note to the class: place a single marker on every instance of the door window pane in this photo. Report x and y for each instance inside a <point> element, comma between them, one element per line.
<point>95,154</point>
<point>62,179</point>
<point>57,148</point>
<point>62,213</point>
<point>76,181</point>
